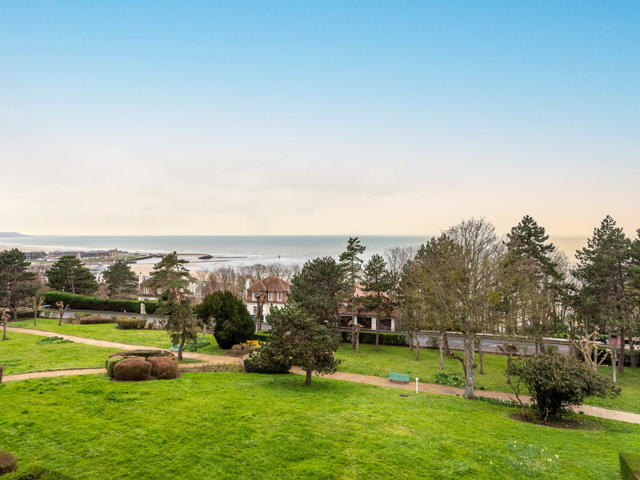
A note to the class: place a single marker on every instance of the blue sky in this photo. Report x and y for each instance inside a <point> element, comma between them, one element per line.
<point>317,117</point>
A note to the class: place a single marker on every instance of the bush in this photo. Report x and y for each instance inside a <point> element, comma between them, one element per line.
<point>556,381</point>
<point>453,379</point>
<point>54,339</point>
<point>142,353</point>
<point>233,323</point>
<point>134,368</point>
<point>131,323</point>
<point>85,302</point>
<point>35,472</point>
<point>629,466</point>
<point>264,361</point>
<point>263,336</point>
<point>163,367</point>
<point>245,348</point>
<point>93,320</point>
<point>8,463</point>
<point>385,338</point>
<point>111,363</point>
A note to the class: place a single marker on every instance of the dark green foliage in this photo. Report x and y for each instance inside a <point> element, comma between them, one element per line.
<point>47,340</point>
<point>84,302</point>
<point>35,472</point>
<point>318,288</point>
<point>300,339</point>
<point>629,466</point>
<point>264,360</point>
<point>528,239</point>
<point>233,323</point>
<point>111,363</point>
<point>263,336</point>
<point>194,344</point>
<point>69,274</point>
<point>133,369</point>
<point>453,379</point>
<point>15,281</point>
<point>385,338</point>
<point>557,381</point>
<point>131,323</point>
<point>120,280</point>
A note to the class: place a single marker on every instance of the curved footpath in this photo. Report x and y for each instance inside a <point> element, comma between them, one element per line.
<point>345,376</point>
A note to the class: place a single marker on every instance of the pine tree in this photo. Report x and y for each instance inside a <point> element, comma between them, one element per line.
<point>69,274</point>
<point>120,280</point>
<point>317,289</point>
<point>15,281</point>
<point>351,265</point>
<point>377,285</point>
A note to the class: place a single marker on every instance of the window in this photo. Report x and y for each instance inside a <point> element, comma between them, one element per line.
<point>255,309</point>
<point>279,296</point>
<point>253,296</point>
<point>270,296</point>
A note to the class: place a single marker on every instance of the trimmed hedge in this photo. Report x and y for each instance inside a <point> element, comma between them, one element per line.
<point>94,320</point>
<point>131,323</point>
<point>262,361</point>
<point>385,338</point>
<point>629,466</point>
<point>35,472</point>
<point>111,364</point>
<point>85,302</point>
<point>163,367</point>
<point>142,353</point>
<point>134,368</point>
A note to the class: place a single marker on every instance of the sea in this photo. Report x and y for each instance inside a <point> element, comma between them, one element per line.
<point>239,250</point>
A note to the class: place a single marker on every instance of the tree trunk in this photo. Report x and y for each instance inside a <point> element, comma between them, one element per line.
<point>14,314</point>
<point>377,333</point>
<point>621,357</point>
<point>35,318</point>
<point>540,344</point>
<point>632,353</point>
<point>182,340</point>
<point>480,357</point>
<point>509,369</point>
<point>445,342</point>
<point>60,314</point>
<point>469,366</point>
<point>417,349</point>
<point>441,348</point>
<point>1,368</point>
<point>307,380</point>
<point>4,328</point>
<point>358,339</point>
<point>613,358</point>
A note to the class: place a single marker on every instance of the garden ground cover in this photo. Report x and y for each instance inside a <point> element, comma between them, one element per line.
<point>226,425</point>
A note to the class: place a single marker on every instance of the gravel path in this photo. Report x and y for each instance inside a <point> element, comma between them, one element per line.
<point>345,376</point>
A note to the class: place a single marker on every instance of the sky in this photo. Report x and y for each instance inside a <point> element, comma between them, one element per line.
<point>332,117</point>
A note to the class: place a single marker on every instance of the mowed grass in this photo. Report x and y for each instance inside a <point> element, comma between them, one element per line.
<point>22,353</point>
<point>401,360</point>
<point>250,426</point>
<point>109,332</point>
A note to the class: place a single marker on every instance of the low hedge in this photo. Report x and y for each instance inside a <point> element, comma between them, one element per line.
<point>262,361</point>
<point>142,353</point>
<point>132,369</point>
<point>35,472</point>
<point>131,323</point>
<point>629,466</point>
<point>385,338</point>
<point>93,320</point>
<point>164,368</point>
<point>85,302</point>
<point>111,364</point>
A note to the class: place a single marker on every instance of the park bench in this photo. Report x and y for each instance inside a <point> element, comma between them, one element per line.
<point>399,377</point>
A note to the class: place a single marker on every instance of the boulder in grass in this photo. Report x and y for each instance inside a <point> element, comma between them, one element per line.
<point>134,368</point>
<point>8,463</point>
<point>163,367</point>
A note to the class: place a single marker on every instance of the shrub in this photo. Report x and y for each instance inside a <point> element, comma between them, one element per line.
<point>94,320</point>
<point>142,353</point>
<point>453,379</point>
<point>262,336</point>
<point>55,340</point>
<point>84,302</point>
<point>131,323</point>
<point>233,323</point>
<point>111,363</point>
<point>35,472</point>
<point>263,360</point>
<point>8,463</point>
<point>245,348</point>
<point>385,338</point>
<point>134,368</point>
<point>556,381</point>
<point>163,367</point>
<point>629,466</point>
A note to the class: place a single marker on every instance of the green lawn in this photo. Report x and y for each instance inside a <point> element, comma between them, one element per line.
<point>225,425</point>
<point>22,353</point>
<point>401,360</point>
<point>108,331</point>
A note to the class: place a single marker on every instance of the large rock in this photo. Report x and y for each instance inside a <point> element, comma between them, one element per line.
<point>135,368</point>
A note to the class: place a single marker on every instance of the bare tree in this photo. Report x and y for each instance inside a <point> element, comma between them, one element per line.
<point>61,309</point>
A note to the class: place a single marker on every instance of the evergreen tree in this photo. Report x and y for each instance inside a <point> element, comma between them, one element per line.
<point>16,283</point>
<point>377,285</point>
<point>121,281</point>
<point>232,322</point>
<point>351,265</point>
<point>69,274</point>
<point>317,289</point>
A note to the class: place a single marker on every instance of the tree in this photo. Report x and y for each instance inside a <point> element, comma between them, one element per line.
<point>232,322</point>
<point>61,309</point>
<point>68,274</point>
<point>604,272</point>
<point>4,317</point>
<point>36,298</point>
<point>171,276</point>
<point>16,283</point>
<point>121,281</point>
<point>556,381</point>
<point>377,286</point>
<point>351,265</point>
<point>475,271</point>
<point>299,338</point>
<point>317,289</point>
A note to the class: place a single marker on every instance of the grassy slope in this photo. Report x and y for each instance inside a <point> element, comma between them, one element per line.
<point>401,360</point>
<point>108,331</point>
<point>272,427</point>
<point>22,354</point>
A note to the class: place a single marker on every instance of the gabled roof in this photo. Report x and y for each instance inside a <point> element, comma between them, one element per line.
<point>270,284</point>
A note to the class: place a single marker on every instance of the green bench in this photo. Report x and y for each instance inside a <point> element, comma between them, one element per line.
<point>399,377</point>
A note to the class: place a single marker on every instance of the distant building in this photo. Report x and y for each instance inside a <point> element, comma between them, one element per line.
<point>272,291</point>
<point>366,320</point>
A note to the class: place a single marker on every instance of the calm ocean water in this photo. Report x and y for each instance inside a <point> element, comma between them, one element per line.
<point>241,250</point>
